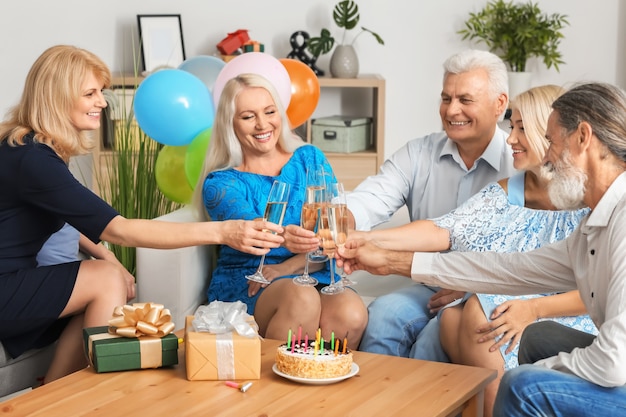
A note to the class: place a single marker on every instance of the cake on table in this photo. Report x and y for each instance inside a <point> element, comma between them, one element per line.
<point>315,359</point>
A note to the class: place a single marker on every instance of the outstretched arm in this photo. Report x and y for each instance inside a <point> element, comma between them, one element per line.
<point>417,236</point>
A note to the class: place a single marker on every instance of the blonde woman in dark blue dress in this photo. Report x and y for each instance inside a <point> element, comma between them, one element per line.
<point>63,99</point>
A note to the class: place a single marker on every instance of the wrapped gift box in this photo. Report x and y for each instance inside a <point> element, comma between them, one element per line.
<point>233,41</point>
<point>108,352</point>
<point>224,356</point>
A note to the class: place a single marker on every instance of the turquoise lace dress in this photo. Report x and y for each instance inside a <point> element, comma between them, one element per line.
<point>494,221</point>
<point>232,194</point>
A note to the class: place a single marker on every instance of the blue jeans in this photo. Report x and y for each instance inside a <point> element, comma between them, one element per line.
<point>531,390</point>
<point>400,324</point>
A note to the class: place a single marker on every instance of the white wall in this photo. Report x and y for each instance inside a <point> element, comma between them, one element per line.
<point>418,36</point>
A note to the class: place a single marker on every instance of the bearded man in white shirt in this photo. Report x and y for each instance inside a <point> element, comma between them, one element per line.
<point>573,374</point>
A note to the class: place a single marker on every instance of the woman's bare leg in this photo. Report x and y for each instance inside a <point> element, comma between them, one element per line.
<point>478,354</point>
<point>449,328</point>
<point>100,287</point>
<point>283,306</point>
<point>344,314</point>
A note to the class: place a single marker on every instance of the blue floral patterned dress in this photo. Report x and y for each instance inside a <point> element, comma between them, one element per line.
<point>232,194</point>
<point>494,221</point>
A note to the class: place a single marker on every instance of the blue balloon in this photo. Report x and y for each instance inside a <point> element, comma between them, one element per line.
<point>173,106</point>
<point>205,67</point>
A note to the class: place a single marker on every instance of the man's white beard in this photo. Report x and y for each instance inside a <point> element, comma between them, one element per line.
<point>566,186</point>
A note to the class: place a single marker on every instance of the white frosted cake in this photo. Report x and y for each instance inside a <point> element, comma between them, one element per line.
<point>312,363</point>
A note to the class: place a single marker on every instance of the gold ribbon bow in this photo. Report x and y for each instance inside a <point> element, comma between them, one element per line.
<point>141,319</point>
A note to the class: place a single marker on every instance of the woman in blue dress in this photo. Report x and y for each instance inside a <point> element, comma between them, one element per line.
<point>251,147</point>
<point>512,215</point>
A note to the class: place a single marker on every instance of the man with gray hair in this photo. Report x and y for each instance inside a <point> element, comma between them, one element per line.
<point>573,373</point>
<point>432,175</point>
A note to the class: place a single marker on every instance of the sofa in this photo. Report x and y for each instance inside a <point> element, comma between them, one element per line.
<point>179,278</point>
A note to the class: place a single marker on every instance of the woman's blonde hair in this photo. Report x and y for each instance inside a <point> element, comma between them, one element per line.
<point>535,106</point>
<point>52,87</point>
<point>224,149</point>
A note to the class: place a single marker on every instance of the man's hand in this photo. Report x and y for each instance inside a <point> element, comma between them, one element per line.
<point>442,298</point>
<point>360,254</point>
<point>509,320</point>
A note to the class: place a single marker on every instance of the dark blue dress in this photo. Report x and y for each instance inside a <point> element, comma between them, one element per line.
<point>38,194</point>
<point>231,194</point>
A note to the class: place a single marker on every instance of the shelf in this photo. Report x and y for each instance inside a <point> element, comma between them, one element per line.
<point>352,168</point>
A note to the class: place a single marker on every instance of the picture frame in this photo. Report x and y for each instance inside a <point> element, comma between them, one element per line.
<point>161,40</point>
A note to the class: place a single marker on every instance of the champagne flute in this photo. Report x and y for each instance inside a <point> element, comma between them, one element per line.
<point>334,222</point>
<point>274,212</point>
<point>316,185</point>
<point>309,217</point>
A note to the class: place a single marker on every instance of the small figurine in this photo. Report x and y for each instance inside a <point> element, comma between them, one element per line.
<point>298,43</point>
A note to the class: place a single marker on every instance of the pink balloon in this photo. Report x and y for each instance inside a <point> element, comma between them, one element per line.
<point>256,63</point>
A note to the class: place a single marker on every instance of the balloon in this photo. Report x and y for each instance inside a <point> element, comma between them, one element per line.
<point>173,106</point>
<point>305,91</point>
<point>205,67</point>
<point>194,158</point>
<point>169,172</point>
<point>257,63</point>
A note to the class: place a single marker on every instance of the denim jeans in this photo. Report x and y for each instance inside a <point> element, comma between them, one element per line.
<point>400,324</point>
<point>532,390</point>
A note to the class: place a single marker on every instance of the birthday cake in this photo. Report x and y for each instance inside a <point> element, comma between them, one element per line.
<point>312,362</point>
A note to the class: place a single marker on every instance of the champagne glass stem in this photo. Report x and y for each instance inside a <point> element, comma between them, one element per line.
<point>260,268</point>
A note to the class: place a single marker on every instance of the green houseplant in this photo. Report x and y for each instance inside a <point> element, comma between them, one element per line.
<point>344,61</point>
<point>517,32</point>
<point>346,16</point>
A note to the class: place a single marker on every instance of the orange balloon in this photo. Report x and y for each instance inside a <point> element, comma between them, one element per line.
<point>305,91</point>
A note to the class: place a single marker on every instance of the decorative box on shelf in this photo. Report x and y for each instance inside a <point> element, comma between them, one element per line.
<point>342,134</point>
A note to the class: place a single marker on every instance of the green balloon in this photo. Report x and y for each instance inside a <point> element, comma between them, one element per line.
<point>170,174</point>
<point>194,159</point>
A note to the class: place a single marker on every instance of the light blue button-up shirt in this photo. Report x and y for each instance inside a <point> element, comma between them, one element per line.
<point>429,176</point>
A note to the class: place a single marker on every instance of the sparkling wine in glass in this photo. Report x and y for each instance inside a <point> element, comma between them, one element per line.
<point>315,194</point>
<point>334,222</point>
<point>274,212</point>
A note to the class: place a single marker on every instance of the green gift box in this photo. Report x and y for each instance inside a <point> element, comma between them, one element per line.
<point>108,352</point>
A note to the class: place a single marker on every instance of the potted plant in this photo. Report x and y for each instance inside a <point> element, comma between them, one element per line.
<point>344,62</point>
<point>517,32</point>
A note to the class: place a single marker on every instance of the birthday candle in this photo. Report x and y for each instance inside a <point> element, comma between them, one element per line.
<point>337,348</point>
<point>332,341</point>
<point>315,348</point>
<point>322,346</point>
<point>299,335</point>
<point>345,344</point>
<point>306,343</point>
<point>293,345</point>
<point>289,339</point>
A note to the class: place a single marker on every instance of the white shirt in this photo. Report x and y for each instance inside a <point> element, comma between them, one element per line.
<point>592,259</point>
<point>429,176</point>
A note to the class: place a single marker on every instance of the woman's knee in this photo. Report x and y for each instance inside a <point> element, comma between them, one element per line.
<point>98,276</point>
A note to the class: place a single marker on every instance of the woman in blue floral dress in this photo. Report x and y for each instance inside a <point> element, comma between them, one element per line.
<point>513,215</point>
<point>251,147</point>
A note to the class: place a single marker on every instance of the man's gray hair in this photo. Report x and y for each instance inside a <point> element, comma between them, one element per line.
<point>601,105</point>
<point>471,59</point>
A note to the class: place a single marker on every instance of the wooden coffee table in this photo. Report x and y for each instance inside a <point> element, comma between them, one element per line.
<point>384,386</point>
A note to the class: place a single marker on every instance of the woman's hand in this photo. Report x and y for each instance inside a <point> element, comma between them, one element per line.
<point>299,239</point>
<point>252,236</point>
<point>509,320</point>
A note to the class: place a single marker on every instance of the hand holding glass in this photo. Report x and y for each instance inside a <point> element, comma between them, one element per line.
<point>334,230</point>
<point>274,212</point>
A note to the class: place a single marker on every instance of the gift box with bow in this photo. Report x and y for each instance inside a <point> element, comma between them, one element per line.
<point>138,337</point>
<point>221,343</point>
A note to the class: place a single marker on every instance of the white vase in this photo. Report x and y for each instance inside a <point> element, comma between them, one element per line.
<point>518,83</point>
<point>344,63</point>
